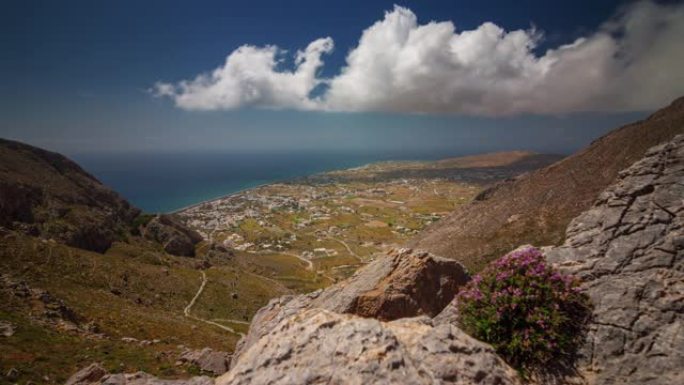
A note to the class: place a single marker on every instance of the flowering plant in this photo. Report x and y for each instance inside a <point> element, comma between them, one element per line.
<point>532,314</point>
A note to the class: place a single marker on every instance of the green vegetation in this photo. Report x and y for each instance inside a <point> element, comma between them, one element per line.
<point>532,315</point>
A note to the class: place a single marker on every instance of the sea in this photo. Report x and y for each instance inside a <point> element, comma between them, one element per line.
<point>166,182</point>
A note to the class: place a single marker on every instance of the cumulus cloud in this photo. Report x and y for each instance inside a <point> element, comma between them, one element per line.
<point>250,77</point>
<point>632,62</point>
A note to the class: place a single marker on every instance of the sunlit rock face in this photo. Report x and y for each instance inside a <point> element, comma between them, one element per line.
<point>317,346</point>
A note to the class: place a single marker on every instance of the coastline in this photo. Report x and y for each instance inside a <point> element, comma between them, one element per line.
<point>221,197</point>
<point>286,180</point>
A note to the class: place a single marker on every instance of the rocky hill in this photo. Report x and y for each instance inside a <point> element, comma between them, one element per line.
<point>536,207</point>
<point>44,193</point>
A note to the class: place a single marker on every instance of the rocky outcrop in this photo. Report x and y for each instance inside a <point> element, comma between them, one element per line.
<point>174,236</point>
<point>321,347</point>
<point>629,251</point>
<point>89,375</point>
<point>44,193</point>
<point>208,360</point>
<point>95,374</point>
<point>402,284</point>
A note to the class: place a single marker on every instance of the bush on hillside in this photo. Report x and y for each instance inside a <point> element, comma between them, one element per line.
<point>533,315</point>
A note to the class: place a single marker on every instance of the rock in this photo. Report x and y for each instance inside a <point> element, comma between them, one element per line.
<point>89,375</point>
<point>142,378</point>
<point>317,346</point>
<point>208,360</point>
<point>6,329</point>
<point>402,284</point>
<point>176,238</point>
<point>629,251</point>
<point>12,374</point>
<point>97,375</point>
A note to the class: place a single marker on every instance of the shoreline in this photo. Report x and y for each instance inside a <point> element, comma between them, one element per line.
<point>221,197</point>
<point>287,180</point>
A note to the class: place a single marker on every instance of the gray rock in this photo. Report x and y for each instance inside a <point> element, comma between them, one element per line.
<point>402,284</point>
<point>317,346</point>
<point>209,360</point>
<point>6,329</point>
<point>629,251</point>
<point>141,378</point>
<point>91,374</point>
<point>95,374</point>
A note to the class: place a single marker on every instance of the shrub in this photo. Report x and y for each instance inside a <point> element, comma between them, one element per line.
<point>530,313</point>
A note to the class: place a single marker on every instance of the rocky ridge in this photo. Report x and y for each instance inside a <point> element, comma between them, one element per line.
<point>44,193</point>
<point>536,208</point>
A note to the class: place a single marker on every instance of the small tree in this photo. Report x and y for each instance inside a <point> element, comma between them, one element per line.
<point>534,316</point>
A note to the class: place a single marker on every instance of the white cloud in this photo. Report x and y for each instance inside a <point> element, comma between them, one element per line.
<point>250,78</point>
<point>633,62</point>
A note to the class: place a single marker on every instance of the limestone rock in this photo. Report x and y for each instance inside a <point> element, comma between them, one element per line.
<point>6,329</point>
<point>95,374</point>
<point>317,346</point>
<point>208,360</point>
<point>91,374</point>
<point>141,378</point>
<point>176,238</point>
<point>629,251</point>
<point>402,284</point>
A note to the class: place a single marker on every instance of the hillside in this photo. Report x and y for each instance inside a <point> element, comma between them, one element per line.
<point>536,208</point>
<point>44,193</point>
<point>82,274</point>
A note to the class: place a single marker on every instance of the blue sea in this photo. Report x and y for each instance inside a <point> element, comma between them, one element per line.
<point>168,182</point>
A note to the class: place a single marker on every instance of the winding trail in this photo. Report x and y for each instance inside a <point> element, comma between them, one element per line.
<point>346,246</point>
<point>186,311</point>
<point>309,264</point>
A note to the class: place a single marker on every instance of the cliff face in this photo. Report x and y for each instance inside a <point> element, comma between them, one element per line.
<point>536,208</point>
<point>44,193</point>
<point>629,251</point>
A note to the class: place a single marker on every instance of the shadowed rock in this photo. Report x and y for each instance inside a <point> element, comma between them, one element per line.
<point>175,237</point>
<point>208,360</point>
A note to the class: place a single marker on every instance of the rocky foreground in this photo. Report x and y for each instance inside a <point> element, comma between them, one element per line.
<point>382,325</point>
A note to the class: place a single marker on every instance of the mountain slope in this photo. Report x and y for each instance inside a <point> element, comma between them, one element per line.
<point>44,193</point>
<point>536,208</point>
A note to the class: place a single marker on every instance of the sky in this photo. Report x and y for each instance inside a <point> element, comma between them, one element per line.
<point>227,76</point>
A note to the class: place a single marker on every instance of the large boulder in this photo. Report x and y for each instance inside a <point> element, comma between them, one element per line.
<point>404,283</point>
<point>629,251</point>
<point>174,236</point>
<point>317,346</point>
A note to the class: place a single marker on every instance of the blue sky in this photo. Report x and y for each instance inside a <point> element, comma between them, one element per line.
<point>80,76</point>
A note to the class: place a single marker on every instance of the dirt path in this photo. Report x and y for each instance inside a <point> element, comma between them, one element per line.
<point>346,246</point>
<point>309,264</point>
<point>186,311</point>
